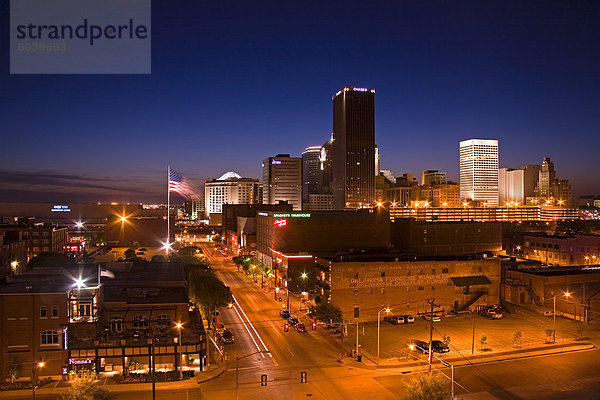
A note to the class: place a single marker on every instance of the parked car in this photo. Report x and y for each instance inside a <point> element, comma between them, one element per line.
<point>228,337</point>
<point>439,347</point>
<point>436,318</point>
<point>220,329</point>
<point>333,325</point>
<point>395,319</point>
<point>300,327</point>
<point>285,314</point>
<point>293,320</point>
<point>493,314</point>
<point>409,319</point>
<point>419,345</point>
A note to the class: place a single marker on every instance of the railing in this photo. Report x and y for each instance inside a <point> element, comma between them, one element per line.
<point>131,339</point>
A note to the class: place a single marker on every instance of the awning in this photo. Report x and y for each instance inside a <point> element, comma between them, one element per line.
<point>462,281</point>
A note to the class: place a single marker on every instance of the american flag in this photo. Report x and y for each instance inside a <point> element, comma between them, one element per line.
<point>179,184</point>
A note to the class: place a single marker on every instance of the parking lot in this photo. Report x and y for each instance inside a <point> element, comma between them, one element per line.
<point>499,333</point>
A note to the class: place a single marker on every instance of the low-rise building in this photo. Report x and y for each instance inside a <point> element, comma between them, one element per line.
<point>40,238</point>
<point>562,250</point>
<point>361,285</point>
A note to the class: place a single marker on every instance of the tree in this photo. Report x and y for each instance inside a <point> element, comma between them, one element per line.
<point>327,312</point>
<point>129,253</point>
<point>208,291</point>
<point>427,386</point>
<point>482,340</point>
<point>188,251</point>
<point>517,336</point>
<point>49,259</point>
<point>84,388</point>
<point>14,369</point>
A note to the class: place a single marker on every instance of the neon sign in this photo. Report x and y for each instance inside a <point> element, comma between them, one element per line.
<point>277,162</point>
<point>280,222</point>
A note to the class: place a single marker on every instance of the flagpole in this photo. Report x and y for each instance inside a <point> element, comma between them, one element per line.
<point>168,211</point>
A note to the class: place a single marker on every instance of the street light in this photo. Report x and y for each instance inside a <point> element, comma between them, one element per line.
<point>39,364</point>
<point>387,310</point>
<point>179,325</point>
<point>567,294</point>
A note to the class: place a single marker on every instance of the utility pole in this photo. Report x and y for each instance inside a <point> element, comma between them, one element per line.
<point>473,338</point>
<point>432,304</point>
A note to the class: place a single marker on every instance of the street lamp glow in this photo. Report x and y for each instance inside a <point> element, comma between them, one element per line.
<point>14,264</point>
<point>123,218</point>
<point>304,275</point>
<point>567,294</point>
<point>387,310</point>
<point>79,224</point>
<point>411,346</point>
<point>179,325</point>
<point>41,364</point>
<point>79,283</point>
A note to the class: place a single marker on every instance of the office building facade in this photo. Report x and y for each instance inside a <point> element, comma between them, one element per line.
<point>515,185</point>
<point>310,171</point>
<point>433,177</point>
<point>282,180</point>
<point>479,171</point>
<point>230,188</point>
<point>354,148</point>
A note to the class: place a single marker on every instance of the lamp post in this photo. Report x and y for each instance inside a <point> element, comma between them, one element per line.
<point>39,364</point>
<point>567,294</point>
<point>387,310</point>
<point>179,325</point>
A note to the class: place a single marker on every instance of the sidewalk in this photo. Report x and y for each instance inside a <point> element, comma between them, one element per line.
<point>126,387</point>
<point>415,360</point>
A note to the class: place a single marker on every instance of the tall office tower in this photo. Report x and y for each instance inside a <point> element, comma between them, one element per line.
<point>197,209</point>
<point>282,180</point>
<point>377,161</point>
<point>547,177</point>
<point>515,185</point>
<point>479,171</point>
<point>433,177</point>
<point>310,171</point>
<point>354,148</point>
<point>229,188</point>
<point>325,178</point>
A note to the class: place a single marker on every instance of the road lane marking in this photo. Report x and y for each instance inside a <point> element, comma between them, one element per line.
<point>252,326</point>
<point>249,333</point>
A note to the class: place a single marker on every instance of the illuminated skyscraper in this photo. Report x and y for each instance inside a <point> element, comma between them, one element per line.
<point>354,148</point>
<point>479,171</point>
<point>282,180</point>
<point>310,171</point>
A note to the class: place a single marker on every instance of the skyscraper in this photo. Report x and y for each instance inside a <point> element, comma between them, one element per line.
<point>354,148</point>
<point>282,180</point>
<point>310,171</point>
<point>546,180</point>
<point>515,185</point>
<point>229,188</point>
<point>377,161</point>
<point>479,171</point>
<point>432,177</point>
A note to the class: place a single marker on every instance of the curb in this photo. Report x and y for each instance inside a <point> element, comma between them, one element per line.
<point>212,377</point>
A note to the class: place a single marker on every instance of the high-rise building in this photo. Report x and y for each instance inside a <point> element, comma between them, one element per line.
<point>229,188</point>
<point>515,185</point>
<point>433,177</point>
<point>550,190</point>
<point>310,171</point>
<point>325,178</point>
<point>479,171</point>
<point>377,161</point>
<point>546,180</point>
<point>197,209</point>
<point>282,180</point>
<point>354,148</point>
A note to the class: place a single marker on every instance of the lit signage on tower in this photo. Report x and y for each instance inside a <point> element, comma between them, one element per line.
<point>280,222</point>
<point>60,208</point>
<point>275,162</point>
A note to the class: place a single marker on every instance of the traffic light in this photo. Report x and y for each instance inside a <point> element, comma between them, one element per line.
<point>314,326</point>
<point>263,380</point>
<point>303,377</point>
<point>286,327</point>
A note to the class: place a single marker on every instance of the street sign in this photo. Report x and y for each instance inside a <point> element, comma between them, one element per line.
<point>263,380</point>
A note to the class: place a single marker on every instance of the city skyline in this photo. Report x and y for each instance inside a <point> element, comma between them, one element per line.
<point>446,76</point>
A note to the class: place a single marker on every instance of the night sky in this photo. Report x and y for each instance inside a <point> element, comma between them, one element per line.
<point>235,82</point>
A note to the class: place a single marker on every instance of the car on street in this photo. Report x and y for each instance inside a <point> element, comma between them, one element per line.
<point>395,319</point>
<point>293,320</point>
<point>228,337</point>
<point>300,327</point>
<point>439,347</point>
<point>409,319</point>
<point>285,314</point>
<point>436,318</point>
<point>419,345</point>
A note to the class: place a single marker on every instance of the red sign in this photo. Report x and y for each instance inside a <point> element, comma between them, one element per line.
<point>280,222</point>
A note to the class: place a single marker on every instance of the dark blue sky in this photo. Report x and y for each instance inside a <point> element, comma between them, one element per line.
<point>235,82</point>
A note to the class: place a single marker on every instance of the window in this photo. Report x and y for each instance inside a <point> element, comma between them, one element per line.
<point>356,292</point>
<point>163,320</point>
<point>54,311</point>
<point>43,312</point>
<point>84,309</point>
<point>421,288</point>
<point>444,270</point>
<point>433,271</point>
<point>49,337</point>
<point>382,290</point>
<point>140,321</point>
<point>116,324</point>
